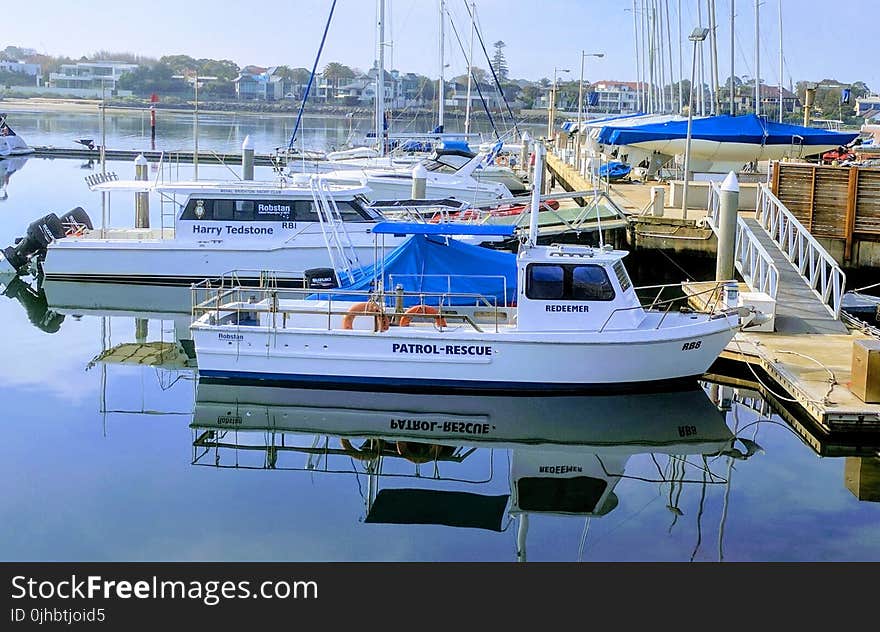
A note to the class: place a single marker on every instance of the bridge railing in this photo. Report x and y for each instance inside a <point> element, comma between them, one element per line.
<point>818,268</point>
<point>751,259</point>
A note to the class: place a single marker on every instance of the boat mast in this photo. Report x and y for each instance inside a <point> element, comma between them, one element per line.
<point>380,79</point>
<point>732,57</point>
<point>700,61</point>
<point>680,64</point>
<point>537,184</point>
<point>467,112</point>
<point>669,51</point>
<point>713,51</point>
<point>781,61</point>
<point>639,104</point>
<point>757,57</point>
<point>442,82</point>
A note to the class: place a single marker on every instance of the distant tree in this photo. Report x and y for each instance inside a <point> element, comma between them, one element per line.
<point>336,73</point>
<point>127,57</point>
<point>223,69</point>
<point>529,95</point>
<point>499,63</point>
<point>159,79</point>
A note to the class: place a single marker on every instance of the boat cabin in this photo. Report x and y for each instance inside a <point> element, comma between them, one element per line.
<point>566,287</point>
<point>253,211</point>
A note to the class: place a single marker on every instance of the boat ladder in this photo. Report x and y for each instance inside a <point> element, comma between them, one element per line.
<point>343,255</point>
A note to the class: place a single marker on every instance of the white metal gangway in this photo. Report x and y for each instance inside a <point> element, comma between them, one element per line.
<point>777,255</point>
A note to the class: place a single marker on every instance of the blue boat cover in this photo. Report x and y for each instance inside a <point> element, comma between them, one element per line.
<point>459,145</point>
<point>436,265</point>
<point>726,129</point>
<point>419,228</point>
<point>614,170</point>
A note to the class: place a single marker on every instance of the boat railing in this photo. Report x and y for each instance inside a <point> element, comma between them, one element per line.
<point>707,300</point>
<point>814,264</point>
<point>449,279</point>
<point>228,303</point>
<point>751,259</point>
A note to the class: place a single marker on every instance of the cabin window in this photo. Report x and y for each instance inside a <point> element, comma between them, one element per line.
<point>305,211</point>
<point>568,282</point>
<point>546,282</point>
<point>223,209</point>
<point>622,276</point>
<point>590,283</point>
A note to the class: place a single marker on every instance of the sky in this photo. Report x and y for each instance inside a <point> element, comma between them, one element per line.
<point>540,35</point>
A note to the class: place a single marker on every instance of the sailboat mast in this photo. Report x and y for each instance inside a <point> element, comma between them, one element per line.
<point>441,84</point>
<point>781,61</point>
<point>732,57</point>
<point>757,57</point>
<point>680,64</point>
<point>700,62</point>
<point>713,49</point>
<point>467,113</point>
<point>380,80</point>
<point>639,105</point>
<point>669,52</point>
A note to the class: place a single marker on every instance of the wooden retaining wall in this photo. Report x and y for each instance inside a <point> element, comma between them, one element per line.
<point>832,202</point>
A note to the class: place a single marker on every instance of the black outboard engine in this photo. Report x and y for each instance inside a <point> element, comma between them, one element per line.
<point>320,279</point>
<point>43,232</point>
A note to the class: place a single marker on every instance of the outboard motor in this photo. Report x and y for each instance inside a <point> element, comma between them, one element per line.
<point>320,279</point>
<point>41,233</point>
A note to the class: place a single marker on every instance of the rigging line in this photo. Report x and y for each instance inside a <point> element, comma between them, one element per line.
<point>302,106</point>
<point>477,85</point>
<point>492,70</point>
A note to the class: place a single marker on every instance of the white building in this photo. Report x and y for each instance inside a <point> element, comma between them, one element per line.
<point>615,97</point>
<point>34,70</point>
<point>90,75</point>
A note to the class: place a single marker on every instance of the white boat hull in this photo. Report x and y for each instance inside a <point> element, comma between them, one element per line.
<point>177,262</point>
<point>509,361</point>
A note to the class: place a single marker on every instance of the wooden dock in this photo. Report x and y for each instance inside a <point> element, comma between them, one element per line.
<point>806,363</point>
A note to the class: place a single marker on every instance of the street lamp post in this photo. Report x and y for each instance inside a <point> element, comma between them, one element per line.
<point>696,37</point>
<point>584,55</point>
<point>551,114</point>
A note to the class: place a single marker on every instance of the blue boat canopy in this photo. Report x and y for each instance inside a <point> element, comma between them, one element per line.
<point>435,265</point>
<point>748,129</point>
<point>418,228</point>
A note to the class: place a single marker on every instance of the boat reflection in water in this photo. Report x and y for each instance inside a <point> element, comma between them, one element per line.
<point>566,454</point>
<point>8,166</point>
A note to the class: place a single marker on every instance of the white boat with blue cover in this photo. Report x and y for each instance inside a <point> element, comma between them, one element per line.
<point>721,143</point>
<point>577,324</point>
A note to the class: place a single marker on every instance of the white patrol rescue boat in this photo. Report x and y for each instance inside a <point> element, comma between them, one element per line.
<point>288,227</point>
<point>577,325</point>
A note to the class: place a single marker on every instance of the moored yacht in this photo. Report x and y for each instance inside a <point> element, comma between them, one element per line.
<point>577,325</point>
<point>284,227</point>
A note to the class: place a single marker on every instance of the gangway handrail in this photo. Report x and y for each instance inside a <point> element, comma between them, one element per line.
<point>815,265</point>
<point>751,259</point>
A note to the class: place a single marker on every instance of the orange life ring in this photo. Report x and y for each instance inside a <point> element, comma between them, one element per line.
<point>419,453</point>
<point>422,309</point>
<point>381,323</point>
<point>502,161</point>
<point>370,450</point>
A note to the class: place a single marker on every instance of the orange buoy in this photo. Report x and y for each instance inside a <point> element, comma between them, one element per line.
<point>381,322</point>
<point>422,309</point>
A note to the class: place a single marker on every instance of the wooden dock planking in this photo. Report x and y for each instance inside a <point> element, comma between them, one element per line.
<point>814,370</point>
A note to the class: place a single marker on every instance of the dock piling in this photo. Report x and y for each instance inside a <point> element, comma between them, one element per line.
<point>729,201</point>
<point>419,182</point>
<point>141,198</point>
<point>247,159</point>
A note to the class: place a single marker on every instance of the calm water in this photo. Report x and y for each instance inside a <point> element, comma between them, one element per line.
<point>108,461</point>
